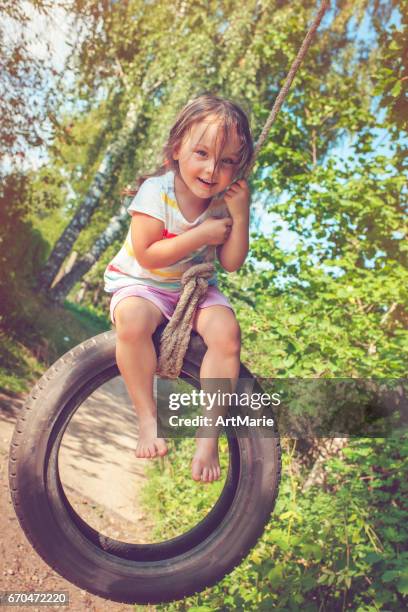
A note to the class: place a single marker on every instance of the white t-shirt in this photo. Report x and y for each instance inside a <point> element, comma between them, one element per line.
<point>156,197</point>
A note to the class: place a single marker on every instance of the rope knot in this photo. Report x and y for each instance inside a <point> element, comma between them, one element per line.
<point>200,271</point>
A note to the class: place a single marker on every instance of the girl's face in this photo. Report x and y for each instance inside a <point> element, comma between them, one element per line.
<point>198,154</point>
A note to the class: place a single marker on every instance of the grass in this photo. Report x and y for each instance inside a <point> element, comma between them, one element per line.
<point>18,366</point>
<point>169,487</point>
<point>35,333</point>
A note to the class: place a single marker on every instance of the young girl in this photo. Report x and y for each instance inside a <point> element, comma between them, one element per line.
<point>175,222</point>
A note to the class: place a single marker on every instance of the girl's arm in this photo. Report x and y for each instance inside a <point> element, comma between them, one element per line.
<point>233,252</point>
<point>153,252</point>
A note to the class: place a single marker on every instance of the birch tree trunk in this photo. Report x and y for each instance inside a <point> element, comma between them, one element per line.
<point>60,290</point>
<point>66,268</point>
<point>107,167</point>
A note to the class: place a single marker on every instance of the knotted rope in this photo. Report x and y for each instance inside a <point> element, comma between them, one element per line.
<point>176,335</point>
<point>194,282</point>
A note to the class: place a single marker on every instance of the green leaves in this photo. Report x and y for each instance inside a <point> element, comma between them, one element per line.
<point>391,83</point>
<point>327,544</point>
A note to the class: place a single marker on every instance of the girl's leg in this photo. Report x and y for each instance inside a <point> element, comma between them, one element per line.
<point>136,320</point>
<point>219,328</point>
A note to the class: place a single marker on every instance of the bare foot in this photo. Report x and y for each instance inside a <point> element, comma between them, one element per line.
<point>205,465</point>
<point>149,445</point>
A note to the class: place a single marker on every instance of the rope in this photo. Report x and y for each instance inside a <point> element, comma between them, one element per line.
<point>288,82</point>
<point>176,335</point>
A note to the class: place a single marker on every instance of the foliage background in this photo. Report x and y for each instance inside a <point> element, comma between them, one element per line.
<point>324,290</point>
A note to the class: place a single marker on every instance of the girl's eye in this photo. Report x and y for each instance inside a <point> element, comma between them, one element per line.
<point>226,160</point>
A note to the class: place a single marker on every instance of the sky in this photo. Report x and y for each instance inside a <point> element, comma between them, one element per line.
<point>54,29</point>
<point>49,37</point>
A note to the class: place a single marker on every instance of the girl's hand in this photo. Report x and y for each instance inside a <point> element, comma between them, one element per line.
<point>237,199</point>
<point>215,231</point>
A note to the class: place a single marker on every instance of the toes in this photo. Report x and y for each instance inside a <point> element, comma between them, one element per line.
<point>161,448</point>
<point>204,473</point>
<point>152,451</point>
<point>144,452</point>
<point>196,470</point>
<point>212,473</point>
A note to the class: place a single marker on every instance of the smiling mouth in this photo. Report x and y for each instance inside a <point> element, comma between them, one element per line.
<point>206,183</point>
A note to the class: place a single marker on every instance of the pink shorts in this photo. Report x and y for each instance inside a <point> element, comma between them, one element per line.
<point>165,300</point>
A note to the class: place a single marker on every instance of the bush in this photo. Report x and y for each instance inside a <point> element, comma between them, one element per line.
<point>337,547</point>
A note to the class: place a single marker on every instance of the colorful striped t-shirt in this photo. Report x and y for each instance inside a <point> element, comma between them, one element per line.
<point>156,197</point>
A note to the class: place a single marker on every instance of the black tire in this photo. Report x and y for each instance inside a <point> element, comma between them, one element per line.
<point>130,573</point>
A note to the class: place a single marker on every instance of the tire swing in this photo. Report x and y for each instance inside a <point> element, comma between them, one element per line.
<point>113,569</point>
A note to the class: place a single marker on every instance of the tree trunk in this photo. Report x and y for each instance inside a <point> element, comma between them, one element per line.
<point>96,294</point>
<point>81,293</point>
<point>82,216</point>
<point>66,267</point>
<point>59,291</point>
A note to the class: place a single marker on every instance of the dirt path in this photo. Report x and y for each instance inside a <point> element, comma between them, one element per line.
<point>102,481</point>
<point>97,456</point>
